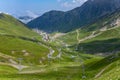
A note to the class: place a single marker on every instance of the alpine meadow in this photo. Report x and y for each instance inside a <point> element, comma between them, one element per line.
<point>60,40</point>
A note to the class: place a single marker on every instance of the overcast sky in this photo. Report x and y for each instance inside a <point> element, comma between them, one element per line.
<point>32,7</point>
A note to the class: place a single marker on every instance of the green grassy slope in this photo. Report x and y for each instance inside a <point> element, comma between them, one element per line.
<point>108,21</point>
<point>18,42</point>
<point>94,69</point>
<point>100,37</point>
<point>70,38</point>
<point>30,51</point>
<point>105,40</point>
<point>10,25</point>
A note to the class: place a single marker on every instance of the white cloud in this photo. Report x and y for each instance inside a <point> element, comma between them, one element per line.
<point>4,13</point>
<point>66,4</point>
<point>31,14</point>
<point>71,3</point>
<point>79,1</point>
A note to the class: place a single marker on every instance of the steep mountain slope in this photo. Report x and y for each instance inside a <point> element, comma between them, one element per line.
<point>105,37</point>
<point>17,41</point>
<point>10,25</point>
<point>106,23</point>
<point>90,11</point>
<point>24,57</point>
<point>100,37</point>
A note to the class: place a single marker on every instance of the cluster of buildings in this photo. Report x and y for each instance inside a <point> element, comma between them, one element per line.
<point>45,37</point>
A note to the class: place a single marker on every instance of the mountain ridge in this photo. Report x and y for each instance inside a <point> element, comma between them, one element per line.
<point>90,11</point>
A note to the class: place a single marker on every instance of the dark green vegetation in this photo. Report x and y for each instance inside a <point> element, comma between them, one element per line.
<point>18,41</point>
<point>109,46</point>
<point>25,56</point>
<point>95,69</point>
<point>101,37</point>
<point>58,21</point>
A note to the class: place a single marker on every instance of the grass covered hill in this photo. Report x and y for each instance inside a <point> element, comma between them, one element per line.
<point>100,37</point>
<point>17,41</point>
<point>11,26</point>
<point>24,56</point>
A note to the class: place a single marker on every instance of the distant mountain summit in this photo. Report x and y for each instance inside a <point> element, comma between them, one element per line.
<point>90,11</point>
<point>25,19</point>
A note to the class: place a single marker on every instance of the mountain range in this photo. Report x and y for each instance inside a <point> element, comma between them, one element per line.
<point>89,48</point>
<point>59,21</point>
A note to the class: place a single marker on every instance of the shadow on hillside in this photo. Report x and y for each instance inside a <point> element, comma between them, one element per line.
<point>105,47</point>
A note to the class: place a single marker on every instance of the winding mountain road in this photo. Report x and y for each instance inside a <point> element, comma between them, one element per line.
<point>88,37</point>
<point>94,34</point>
